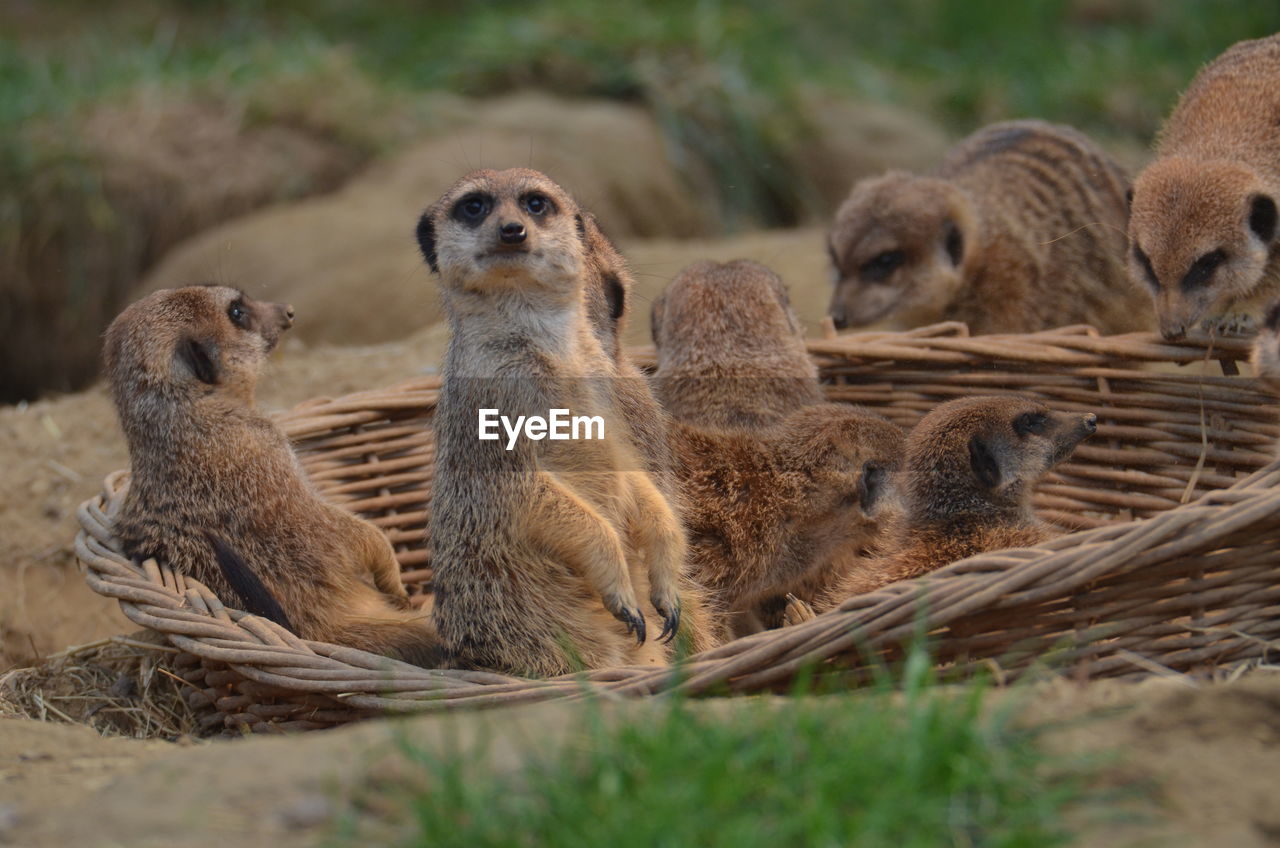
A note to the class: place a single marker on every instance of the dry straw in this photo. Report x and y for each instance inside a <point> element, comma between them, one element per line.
<point>1174,565</point>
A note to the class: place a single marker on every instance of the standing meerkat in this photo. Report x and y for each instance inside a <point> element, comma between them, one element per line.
<point>730,350</point>
<point>775,482</point>
<point>1020,229</point>
<point>969,471</point>
<point>542,548</point>
<point>1202,223</point>
<point>215,483</point>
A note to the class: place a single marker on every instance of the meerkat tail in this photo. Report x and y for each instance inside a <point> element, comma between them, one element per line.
<point>254,596</point>
<point>411,639</point>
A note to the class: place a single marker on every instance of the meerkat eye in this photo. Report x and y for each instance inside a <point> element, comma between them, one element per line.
<point>1030,423</point>
<point>237,314</point>
<point>954,244</point>
<point>880,266</point>
<point>473,208</point>
<point>1202,269</point>
<point>537,204</point>
<point>1143,260</point>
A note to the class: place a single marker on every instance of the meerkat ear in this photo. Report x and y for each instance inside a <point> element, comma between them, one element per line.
<point>202,359</point>
<point>427,240</point>
<point>872,485</point>
<point>615,295</point>
<point>655,317</point>
<point>984,463</point>
<point>1262,217</point>
<point>954,243</point>
<point>1128,198</point>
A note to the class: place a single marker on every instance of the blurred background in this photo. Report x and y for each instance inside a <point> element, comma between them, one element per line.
<point>287,147</point>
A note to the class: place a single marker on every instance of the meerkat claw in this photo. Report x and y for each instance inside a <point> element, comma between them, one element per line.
<point>634,621</point>
<point>670,623</point>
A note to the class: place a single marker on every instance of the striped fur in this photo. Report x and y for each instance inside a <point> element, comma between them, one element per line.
<point>1021,228</point>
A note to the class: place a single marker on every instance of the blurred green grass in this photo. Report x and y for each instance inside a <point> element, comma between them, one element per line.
<point>722,77</point>
<point>910,764</point>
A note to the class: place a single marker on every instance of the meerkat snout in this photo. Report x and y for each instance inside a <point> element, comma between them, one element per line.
<point>511,232</point>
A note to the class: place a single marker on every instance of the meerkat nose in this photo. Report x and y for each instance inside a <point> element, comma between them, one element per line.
<point>288,315</point>
<point>1091,423</point>
<point>512,233</point>
<point>1173,332</point>
<point>838,319</point>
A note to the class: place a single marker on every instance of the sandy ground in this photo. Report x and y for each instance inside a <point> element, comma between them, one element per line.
<point>1176,765</point>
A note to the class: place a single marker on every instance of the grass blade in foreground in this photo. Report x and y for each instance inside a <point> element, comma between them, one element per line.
<point>926,767</point>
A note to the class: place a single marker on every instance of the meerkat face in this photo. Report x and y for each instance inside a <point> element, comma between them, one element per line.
<point>504,231</point>
<point>1266,349</point>
<point>197,339</point>
<point>850,457</point>
<point>989,450</point>
<point>897,251</point>
<point>1200,238</point>
<point>718,304</point>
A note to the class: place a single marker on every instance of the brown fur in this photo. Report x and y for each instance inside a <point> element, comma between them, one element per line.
<point>1266,349</point>
<point>1020,229</point>
<point>204,460</point>
<point>969,471</point>
<point>730,350</point>
<point>773,480</point>
<point>768,512</point>
<point>1203,221</point>
<point>541,553</point>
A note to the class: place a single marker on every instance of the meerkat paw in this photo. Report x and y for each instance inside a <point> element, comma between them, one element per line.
<point>629,614</point>
<point>796,612</point>
<point>668,606</point>
<point>1236,324</point>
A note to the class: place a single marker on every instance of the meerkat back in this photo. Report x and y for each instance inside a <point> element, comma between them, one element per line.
<point>1020,229</point>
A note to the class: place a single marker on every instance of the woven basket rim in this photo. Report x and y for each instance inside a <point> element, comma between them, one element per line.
<point>193,619</point>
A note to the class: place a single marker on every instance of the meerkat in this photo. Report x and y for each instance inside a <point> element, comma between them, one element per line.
<point>969,469</point>
<point>774,481</point>
<point>730,350</point>
<point>542,548</point>
<point>768,512</point>
<point>1020,229</point>
<point>216,492</point>
<point>1202,224</point>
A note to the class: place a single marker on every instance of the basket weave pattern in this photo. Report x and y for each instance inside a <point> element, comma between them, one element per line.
<point>1196,586</point>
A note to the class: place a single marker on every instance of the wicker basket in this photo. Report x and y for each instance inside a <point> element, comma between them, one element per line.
<point>1192,586</point>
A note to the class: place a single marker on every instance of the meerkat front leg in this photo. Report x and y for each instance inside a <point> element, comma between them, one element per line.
<point>569,529</point>
<point>380,559</point>
<point>657,531</point>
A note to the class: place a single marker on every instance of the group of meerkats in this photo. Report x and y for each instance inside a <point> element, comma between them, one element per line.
<point>726,495</point>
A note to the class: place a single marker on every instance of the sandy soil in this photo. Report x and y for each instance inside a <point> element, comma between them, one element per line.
<point>1179,765</point>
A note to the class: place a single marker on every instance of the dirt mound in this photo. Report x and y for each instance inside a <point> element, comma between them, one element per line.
<point>349,263</point>
<point>143,175</point>
<point>852,140</point>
